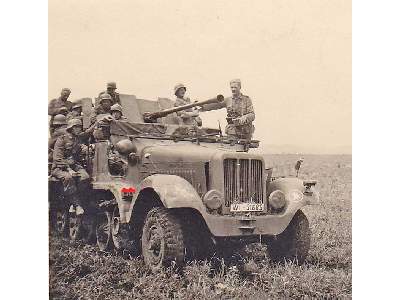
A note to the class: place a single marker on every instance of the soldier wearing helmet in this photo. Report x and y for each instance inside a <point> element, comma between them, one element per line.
<point>60,105</point>
<point>104,107</point>
<point>116,112</point>
<point>59,125</point>
<point>111,87</point>
<point>240,112</point>
<point>76,112</point>
<point>188,116</point>
<point>67,165</point>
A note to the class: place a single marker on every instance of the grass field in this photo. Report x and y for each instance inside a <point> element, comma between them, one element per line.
<point>82,272</point>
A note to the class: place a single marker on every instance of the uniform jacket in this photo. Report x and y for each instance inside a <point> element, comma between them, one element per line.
<point>56,104</point>
<point>67,150</point>
<point>185,119</point>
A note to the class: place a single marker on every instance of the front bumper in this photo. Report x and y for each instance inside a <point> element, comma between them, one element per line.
<point>248,225</point>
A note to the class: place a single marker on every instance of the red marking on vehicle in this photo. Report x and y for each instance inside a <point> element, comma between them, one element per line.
<point>128,190</point>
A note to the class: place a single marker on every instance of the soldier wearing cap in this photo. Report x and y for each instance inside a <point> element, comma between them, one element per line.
<point>76,112</point>
<point>60,105</point>
<point>116,112</point>
<point>188,116</point>
<point>240,112</point>
<point>111,87</point>
<point>67,165</point>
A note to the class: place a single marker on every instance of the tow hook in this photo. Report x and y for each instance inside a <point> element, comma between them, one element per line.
<point>246,221</point>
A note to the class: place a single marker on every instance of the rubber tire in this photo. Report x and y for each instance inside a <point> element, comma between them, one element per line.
<point>172,246</point>
<point>104,219</point>
<point>293,243</point>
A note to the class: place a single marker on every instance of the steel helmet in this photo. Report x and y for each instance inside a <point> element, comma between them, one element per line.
<point>111,85</point>
<point>105,96</point>
<point>178,86</point>
<point>74,122</point>
<point>59,120</point>
<point>77,105</point>
<point>116,107</point>
<point>125,147</point>
<point>63,110</point>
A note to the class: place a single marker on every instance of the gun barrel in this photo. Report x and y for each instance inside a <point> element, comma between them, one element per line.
<point>150,117</point>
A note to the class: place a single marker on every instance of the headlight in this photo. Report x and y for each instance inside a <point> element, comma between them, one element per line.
<point>295,196</point>
<point>213,199</point>
<point>277,199</point>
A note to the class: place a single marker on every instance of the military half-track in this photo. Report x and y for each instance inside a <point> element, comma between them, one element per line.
<point>171,192</point>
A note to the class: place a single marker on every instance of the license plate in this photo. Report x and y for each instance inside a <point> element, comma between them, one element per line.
<point>244,207</point>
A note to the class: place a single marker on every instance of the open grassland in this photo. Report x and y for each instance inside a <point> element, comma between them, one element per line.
<point>80,271</point>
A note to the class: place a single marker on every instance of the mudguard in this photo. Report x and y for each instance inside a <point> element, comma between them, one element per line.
<point>293,187</point>
<point>174,191</point>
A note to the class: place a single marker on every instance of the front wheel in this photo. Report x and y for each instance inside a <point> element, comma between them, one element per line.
<point>293,243</point>
<point>162,240</point>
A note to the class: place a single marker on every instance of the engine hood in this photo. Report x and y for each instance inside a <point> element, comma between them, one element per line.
<point>190,152</point>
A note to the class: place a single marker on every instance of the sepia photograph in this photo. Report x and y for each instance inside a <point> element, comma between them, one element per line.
<point>199,149</point>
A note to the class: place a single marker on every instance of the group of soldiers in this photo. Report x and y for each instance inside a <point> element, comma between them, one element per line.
<point>67,137</point>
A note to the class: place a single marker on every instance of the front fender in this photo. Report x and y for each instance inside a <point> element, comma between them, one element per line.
<point>174,191</point>
<point>288,186</point>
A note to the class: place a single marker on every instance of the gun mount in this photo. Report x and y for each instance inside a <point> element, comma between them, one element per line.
<point>151,117</point>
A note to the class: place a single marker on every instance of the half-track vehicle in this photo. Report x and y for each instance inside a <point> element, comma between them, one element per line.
<point>171,192</point>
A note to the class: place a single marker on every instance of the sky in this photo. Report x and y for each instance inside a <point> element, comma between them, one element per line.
<point>293,57</point>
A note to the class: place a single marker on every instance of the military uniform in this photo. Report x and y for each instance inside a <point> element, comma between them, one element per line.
<point>67,157</point>
<point>239,107</point>
<point>185,119</point>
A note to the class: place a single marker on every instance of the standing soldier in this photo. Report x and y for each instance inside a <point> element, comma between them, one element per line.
<point>188,116</point>
<point>111,87</point>
<point>76,112</point>
<point>60,105</point>
<point>240,113</point>
<point>67,165</point>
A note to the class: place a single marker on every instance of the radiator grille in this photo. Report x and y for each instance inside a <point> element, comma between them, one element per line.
<point>243,181</point>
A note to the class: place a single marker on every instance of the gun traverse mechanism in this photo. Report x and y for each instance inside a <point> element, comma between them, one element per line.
<point>151,117</point>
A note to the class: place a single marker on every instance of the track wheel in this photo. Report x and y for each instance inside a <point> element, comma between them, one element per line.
<point>61,221</point>
<point>103,231</point>
<point>75,226</point>
<point>162,240</point>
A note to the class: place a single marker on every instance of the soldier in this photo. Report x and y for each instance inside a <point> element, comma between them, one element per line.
<point>188,116</point>
<point>240,113</point>
<point>67,166</point>
<point>116,112</point>
<point>60,105</point>
<point>104,107</point>
<point>76,112</point>
<point>111,87</point>
<point>59,125</point>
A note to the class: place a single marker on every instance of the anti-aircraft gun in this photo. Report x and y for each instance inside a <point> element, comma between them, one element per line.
<point>178,198</point>
<point>151,117</point>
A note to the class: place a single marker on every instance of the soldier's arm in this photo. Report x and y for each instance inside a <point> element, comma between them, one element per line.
<point>53,110</point>
<point>58,153</point>
<point>250,115</point>
<point>117,99</point>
